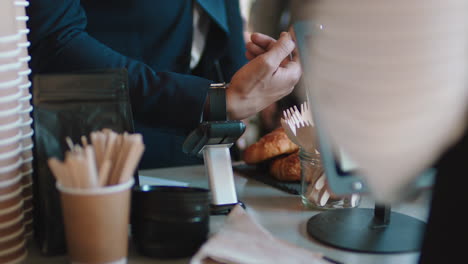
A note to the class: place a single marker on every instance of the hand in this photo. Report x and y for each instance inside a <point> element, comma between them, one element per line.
<point>268,77</point>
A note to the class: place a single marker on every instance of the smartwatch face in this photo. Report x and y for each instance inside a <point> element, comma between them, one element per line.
<point>217,101</point>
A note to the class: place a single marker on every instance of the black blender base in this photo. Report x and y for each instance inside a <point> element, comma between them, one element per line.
<point>356,229</point>
<point>224,209</point>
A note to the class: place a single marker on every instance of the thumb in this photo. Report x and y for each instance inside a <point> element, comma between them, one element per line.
<point>280,50</point>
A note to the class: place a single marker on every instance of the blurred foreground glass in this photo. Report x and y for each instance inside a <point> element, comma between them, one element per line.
<point>315,192</point>
<point>380,75</point>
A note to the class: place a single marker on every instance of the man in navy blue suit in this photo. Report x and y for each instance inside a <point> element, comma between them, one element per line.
<point>173,51</point>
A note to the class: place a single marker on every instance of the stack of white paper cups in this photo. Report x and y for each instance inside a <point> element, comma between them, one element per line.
<point>25,111</point>
<point>12,224</point>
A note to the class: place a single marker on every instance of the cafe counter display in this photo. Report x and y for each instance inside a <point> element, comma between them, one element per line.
<point>280,213</point>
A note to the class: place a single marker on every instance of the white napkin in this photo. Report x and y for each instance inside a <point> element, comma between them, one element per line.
<point>243,241</point>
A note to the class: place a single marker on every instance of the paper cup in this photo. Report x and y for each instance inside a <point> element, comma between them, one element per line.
<point>24,68</point>
<point>27,194</point>
<point>28,206</point>
<point>26,115</point>
<point>16,257</point>
<point>24,58</point>
<point>11,213</point>
<point>11,186</point>
<point>6,247</point>
<point>9,90</point>
<point>9,52</point>
<point>26,119</point>
<point>21,16</point>
<point>24,86</point>
<point>10,87</point>
<point>9,72</point>
<point>15,254</point>
<point>20,11</point>
<point>28,214</point>
<point>26,132</point>
<point>26,138</point>
<point>10,144</point>
<point>28,229</point>
<point>27,199</point>
<point>11,129</point>
<point>10,172</point>
<point>25,101</point>
<point>10,158</point>
<point>9,98</point>
<point>26,180</point>
<point>26,167</point>
<point>12,244</point>
<point>96,222</point>
<point>9,203</point>
<point>27,143</point>
<point>12,231</point>
<point>9,49</point>
<point>9,118</point>
<point>27,155</point>
<point>9,56</point>
<point>17,164</point>
<point>24,43</point>
<point>8,14</point>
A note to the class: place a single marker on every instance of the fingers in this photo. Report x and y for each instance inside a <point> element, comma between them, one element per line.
<point>253,50</point>
<point>259,44</point>
<point>279,51</point>
<point>262,40</point>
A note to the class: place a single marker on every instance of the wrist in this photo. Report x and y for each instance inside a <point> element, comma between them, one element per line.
<point>238,106</point>
<point>233,101</point>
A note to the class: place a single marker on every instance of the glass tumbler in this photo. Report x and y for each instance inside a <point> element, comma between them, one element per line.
<point>315,193</point>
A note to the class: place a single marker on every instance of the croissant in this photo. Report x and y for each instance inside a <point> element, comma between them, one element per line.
<point>286,168</point>
<point>271,145</point>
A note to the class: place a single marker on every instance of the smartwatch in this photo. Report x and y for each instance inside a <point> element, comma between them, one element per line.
<point>216,103</point>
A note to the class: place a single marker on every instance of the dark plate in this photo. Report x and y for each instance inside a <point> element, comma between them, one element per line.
<point>260,173</point>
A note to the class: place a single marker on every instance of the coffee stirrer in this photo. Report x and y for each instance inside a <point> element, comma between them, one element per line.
<point>110,159</point>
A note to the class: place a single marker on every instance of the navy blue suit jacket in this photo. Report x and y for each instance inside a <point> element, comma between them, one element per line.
<point>152,39</point>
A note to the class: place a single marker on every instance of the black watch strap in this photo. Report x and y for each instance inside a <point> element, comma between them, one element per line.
<point>217,97</point>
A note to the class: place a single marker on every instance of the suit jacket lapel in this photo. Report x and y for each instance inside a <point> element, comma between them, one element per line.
<point>217,11</point>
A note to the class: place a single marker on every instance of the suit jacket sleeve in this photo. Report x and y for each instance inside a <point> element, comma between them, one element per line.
<point>234,58</point>
<point>59,43</point>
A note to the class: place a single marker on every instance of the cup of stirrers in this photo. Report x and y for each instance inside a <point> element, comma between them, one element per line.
<point>109,159</point>
<point>95,181</point>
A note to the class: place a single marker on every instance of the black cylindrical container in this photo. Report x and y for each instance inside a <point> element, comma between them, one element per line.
<point>169,221</point>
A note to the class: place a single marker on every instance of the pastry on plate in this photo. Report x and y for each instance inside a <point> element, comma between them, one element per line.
<point>271,145</point>
<point>286,168</point>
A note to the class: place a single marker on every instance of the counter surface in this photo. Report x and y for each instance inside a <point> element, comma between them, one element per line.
<point>279,212</point>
